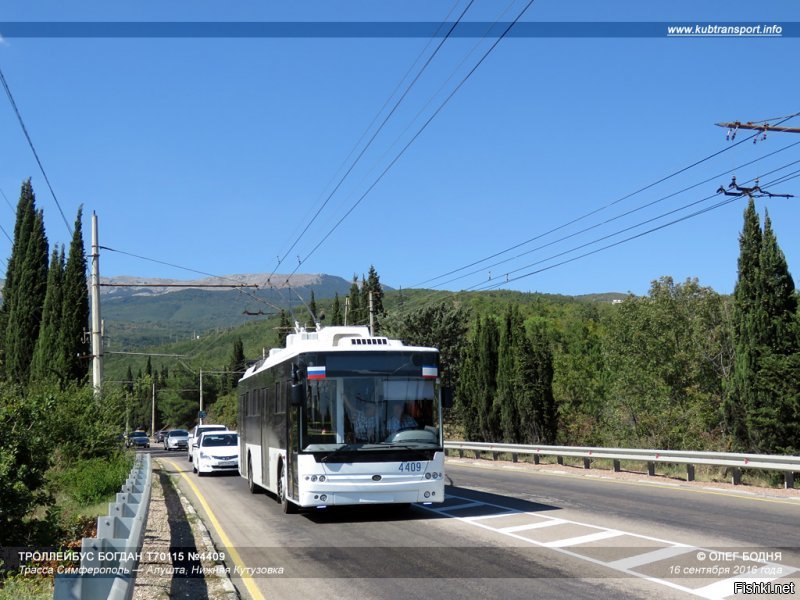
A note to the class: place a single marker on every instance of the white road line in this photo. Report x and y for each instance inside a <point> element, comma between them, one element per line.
<point>584,539</point>
<point>649,557</point>
<point>508,513</point>
<point>526,527</point>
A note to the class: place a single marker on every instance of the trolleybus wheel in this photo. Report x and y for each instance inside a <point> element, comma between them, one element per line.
<point>287,506</point>
<point>254,489</point>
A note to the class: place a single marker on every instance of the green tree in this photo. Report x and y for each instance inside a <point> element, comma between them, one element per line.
<point>75,310</point>
<point>508,374</point>
<point>312,307</point>
<point>372,286</point>
<point>353,314</point>
<point>443,326</point>
<point>761,396</point>
<point>45,364</point>
<point>477,384</point>
<point>580,379</point>
<point>336,316</point>
<point>536,403</point>
<point>27,302</point>
<point>23,227</point>
<point>236,364</point>
<point>665,389</point>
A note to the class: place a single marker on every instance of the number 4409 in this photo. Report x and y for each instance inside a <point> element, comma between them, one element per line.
<point>411,467</point>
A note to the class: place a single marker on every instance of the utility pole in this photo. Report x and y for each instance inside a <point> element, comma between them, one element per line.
<point>153,414</point>
<point>97,335</point>
<point>346,308</point>
<point>201,397</point>
<point>371,316</point>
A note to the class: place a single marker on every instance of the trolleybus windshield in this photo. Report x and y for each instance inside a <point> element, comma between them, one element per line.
<point>355,407</point>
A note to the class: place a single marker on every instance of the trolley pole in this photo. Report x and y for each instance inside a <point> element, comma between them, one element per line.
<point>97,337</point>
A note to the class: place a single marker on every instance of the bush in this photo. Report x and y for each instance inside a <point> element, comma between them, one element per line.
<point>92,480</point>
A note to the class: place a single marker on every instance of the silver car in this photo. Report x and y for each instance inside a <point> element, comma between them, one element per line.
<point>176,439</point>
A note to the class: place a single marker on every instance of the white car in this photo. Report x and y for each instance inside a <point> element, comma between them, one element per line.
<point>197,432</point>
<point>216,451</point>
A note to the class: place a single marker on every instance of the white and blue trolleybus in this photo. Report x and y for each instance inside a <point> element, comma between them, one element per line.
<point>341,417</point>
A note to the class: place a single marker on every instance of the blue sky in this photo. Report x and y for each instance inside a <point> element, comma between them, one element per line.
<point>214,153</point>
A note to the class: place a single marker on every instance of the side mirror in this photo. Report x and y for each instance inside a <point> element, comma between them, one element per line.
<point>298,396</point>
<point>447,397</point>
<point>195,446</point>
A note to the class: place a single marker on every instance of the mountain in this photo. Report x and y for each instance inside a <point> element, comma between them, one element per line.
<point>139,312</point>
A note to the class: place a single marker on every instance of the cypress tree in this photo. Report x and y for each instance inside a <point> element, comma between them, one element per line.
<point>336,317</point>
<point>46,364</point>
<point>75,310</point>
<point>746,306</point>
<point>772,417</point>
<point>487,341</point>
<point>508,379</point>
<point>468,392</point>
<point>537,409</point>
<point>26,212</point>
<point>777,296</point>
<point>27,302</point>
<point>237,362</point>
<point>312,307</point>
<point>374,287</point>
<point>762,404</point>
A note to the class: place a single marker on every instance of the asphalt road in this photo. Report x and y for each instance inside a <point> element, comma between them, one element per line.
<point>502,533</point>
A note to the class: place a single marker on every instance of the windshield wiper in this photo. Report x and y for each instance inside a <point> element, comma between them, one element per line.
<point>340,450</point>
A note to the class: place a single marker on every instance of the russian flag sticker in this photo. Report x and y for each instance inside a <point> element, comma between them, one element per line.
<point>430,372</point>
<point>316,372</point>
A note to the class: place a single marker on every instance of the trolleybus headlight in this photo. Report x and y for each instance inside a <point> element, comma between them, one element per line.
<point>313,478</point>
<point>427,475</point>
<point>427,494</point>
<point>324,497</point>
<point>322,478</point>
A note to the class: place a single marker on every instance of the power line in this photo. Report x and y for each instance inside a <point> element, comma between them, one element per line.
<point>33,149</point>
<point>375,134</point>
<point>414,138</point>
<point>624,214</point>
<point>601,208</point>
<point>659,227</point>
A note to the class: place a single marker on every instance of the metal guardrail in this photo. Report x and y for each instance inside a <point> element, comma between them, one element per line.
<point>789,465</point>
<point>109,561</point>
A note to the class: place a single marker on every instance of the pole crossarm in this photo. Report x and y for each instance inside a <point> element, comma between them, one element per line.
<point>758,127</point>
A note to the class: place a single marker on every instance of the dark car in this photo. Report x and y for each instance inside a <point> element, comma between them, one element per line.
<point>160,435</point>
<point>138,439</point>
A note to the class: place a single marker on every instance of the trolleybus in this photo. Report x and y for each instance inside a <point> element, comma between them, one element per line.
<point>341,417</point>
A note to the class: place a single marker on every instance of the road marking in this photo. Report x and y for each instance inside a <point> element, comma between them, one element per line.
<point>717,590</point>
<point>255,593</point>
<point>540,525</point>
<point>638,560</point>
<point>584,539</point>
